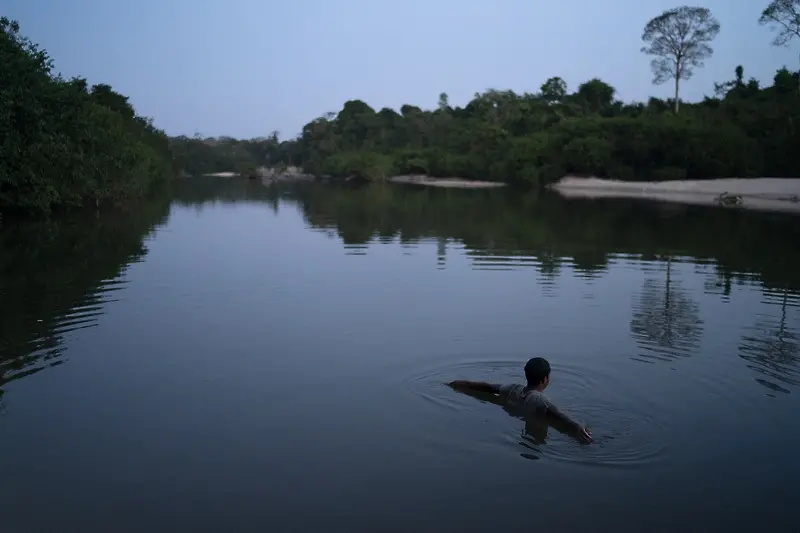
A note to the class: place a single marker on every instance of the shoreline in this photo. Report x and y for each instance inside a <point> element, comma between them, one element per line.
<point>453,183</point>
<point>763,194</point>
<point>268,176</point>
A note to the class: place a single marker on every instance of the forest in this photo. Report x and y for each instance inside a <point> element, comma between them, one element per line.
<point>65,144</point>
<point>743,130</point>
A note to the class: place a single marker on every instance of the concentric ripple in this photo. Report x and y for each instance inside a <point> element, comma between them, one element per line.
<point>621,438</point>
<point>625,435</point>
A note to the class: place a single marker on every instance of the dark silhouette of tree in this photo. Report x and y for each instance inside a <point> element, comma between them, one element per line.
<point>679,39</point>
<point>784,16</point>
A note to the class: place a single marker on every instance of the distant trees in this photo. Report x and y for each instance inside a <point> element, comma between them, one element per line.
<point>596,94</point>
<point>533,139</point>
<point>747,129</point>
<point>65,144</point>
<point>554,90</point>
<point>679,39</point>
<point>196,155</point>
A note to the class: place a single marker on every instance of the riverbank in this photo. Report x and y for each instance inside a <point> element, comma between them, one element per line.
<point>453,183</point>
<point>222,175</point>
<point>270,175</point>
<point>765,194</point>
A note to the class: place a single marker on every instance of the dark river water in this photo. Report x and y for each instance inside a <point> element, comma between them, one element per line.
<point>253,359</point>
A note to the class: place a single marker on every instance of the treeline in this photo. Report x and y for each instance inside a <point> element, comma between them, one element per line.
<point>65,144</point>
<point>538,138</point>
<point>745,130</point>
<point>534,138</point>
<point>198,155</point>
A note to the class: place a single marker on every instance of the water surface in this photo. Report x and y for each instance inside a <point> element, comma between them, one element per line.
<point>262,359</point>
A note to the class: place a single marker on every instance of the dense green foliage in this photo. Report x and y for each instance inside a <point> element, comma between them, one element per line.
<point>65,144</point>
<point>532,139</point>
<point>538,138</point>
<point>196,156</point>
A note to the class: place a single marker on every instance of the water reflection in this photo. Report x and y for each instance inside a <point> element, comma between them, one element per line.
<point>504,230</point>
<point>666,322</point>
<point>502,227</point>
<point>56,276</point>
<point>771,345</point>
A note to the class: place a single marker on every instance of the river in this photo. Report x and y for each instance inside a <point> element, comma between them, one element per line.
<point>273,359</point>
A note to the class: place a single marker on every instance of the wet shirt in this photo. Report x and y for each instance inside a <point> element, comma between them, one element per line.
<point>527,400</point>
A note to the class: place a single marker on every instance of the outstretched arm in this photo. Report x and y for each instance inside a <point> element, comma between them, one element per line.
<point>564,419</point>
<point>477,386</point>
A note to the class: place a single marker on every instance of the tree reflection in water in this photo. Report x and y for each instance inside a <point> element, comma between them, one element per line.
<point>666,322</point>
<point>771,346</point>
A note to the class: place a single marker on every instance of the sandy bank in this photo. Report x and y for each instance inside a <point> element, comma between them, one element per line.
<point>768,194</point>
<point>223,174</point>
<point>456,183</point>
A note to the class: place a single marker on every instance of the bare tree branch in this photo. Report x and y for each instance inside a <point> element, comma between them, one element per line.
<point>785,16</point>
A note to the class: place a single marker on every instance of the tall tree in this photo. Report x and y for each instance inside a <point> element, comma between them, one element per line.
<point>679,39</point>
<point>783,15</point>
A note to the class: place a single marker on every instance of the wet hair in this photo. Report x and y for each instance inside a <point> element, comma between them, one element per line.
<point>536,370</point>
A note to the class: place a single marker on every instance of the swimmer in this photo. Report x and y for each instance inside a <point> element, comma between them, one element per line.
<point>529,398</point>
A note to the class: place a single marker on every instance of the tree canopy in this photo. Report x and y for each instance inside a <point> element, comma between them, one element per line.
<point>66,144</point>
<point>531,139</point>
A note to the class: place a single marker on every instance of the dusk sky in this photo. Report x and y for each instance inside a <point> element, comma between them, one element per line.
<point>246,67</point>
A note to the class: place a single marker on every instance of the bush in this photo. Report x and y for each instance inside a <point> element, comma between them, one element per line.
<point>65,146</point>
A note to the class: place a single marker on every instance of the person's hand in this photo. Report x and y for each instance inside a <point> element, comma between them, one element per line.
<point>585,434</point>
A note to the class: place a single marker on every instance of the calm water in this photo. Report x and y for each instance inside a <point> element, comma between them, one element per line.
<point>248,359</point>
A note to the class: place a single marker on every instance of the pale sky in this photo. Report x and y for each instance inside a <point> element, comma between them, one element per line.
<point>246,67</point>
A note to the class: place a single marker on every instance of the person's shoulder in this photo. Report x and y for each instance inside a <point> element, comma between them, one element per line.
<point>509,388</point>
<point>538,398</point>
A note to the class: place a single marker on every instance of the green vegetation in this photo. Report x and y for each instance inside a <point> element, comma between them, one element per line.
<point>744,130</point>
<point>65,144</point>
<point>196,156</point>
<point>68,145</point>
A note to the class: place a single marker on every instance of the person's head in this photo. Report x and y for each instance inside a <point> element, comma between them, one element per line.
<point>537,372</point>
